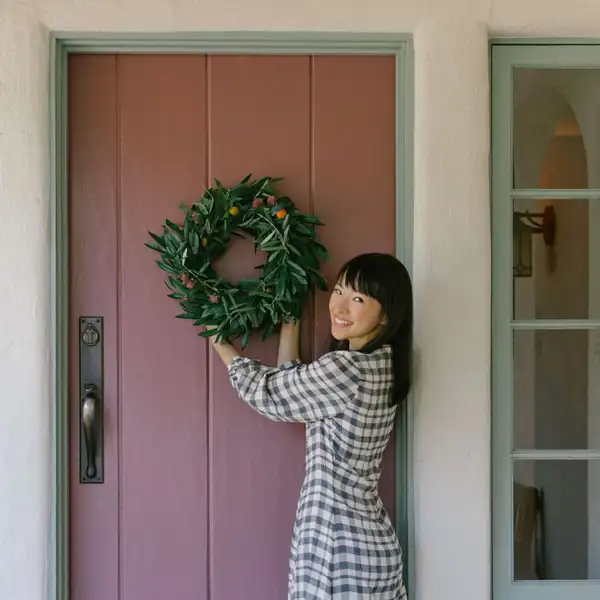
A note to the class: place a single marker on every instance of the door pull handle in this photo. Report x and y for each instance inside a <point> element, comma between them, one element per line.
<point>91,400</point>
<point>90,416</point>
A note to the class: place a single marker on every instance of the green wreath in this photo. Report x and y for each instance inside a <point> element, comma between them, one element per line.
<point>289,273</point>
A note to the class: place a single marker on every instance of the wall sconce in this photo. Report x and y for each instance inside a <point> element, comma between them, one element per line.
<point>525,226</point>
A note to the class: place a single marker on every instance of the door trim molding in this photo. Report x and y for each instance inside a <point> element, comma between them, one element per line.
<point>543,41</point>
<point>64,43</point>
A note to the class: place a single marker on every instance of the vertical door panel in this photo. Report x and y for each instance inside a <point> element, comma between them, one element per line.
<point>354,174</point>
<point>259,124</point>
<point>200,492</point>
<point>93,278</point>
<point>163,361</point>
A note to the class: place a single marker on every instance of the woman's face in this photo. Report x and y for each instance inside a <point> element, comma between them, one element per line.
<point>354,316</point>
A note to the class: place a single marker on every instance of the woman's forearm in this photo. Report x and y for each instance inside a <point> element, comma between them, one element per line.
<point>289,346</point>
<point>289,343</point>
<point>226,351</point>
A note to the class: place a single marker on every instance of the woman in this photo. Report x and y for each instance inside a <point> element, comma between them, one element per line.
<point>343,544</point>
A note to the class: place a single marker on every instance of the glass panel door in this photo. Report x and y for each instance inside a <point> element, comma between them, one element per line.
<point>546,318</point>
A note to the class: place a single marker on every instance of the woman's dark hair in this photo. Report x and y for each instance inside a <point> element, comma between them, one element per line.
<point>384,278</point>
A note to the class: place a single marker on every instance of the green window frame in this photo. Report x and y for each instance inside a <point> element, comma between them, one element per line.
<point>506,55</point>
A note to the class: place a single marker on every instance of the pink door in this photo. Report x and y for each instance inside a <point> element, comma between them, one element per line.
<point>199,493</point>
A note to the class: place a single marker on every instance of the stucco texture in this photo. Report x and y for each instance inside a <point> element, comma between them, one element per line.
<point>451,452</point>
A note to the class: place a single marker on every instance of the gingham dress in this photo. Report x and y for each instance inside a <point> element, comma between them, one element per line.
<point>343,545</point>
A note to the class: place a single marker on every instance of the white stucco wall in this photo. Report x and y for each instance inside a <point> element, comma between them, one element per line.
<point>451,269</point>
<point>452,309</point>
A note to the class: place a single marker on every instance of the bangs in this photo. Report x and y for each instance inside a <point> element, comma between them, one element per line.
<point>362,275</point>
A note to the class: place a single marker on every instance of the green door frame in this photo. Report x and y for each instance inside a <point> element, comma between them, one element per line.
<point>506,54</point>
<point>63,44</point>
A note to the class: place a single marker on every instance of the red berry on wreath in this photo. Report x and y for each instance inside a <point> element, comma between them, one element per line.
<point>257,202</point>
<point>271,200</point>
<point>213,299</point>
<point>185,278</point>
<point>189,285</point>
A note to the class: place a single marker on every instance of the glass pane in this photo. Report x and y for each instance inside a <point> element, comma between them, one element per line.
<point>556,519</point>
<point>555,120</point>
<point>556,389</point>
<point>556,259</point>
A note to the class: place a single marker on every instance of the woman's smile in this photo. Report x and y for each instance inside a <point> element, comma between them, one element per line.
<point>342,322</point>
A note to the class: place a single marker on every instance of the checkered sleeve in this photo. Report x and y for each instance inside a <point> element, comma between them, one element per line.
<point>295,392</point>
